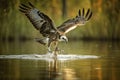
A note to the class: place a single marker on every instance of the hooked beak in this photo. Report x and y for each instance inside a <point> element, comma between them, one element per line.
<point>66,40</point>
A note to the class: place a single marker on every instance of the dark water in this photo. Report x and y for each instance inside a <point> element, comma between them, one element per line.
<point>105,67</point>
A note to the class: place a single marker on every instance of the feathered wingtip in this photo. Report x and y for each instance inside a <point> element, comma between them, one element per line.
<point>31,4</point>
<point>24,8</point>
<point>86,16</point>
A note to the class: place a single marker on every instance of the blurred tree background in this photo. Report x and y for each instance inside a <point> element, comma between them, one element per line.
<point>104,24</point>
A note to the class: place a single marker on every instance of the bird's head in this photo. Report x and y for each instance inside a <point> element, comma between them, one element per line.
<point>63,38</point>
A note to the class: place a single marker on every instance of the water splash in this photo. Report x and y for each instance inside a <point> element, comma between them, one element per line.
<point>48,57</point>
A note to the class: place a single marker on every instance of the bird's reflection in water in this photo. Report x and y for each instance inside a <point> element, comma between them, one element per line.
<point>53,69</point>
<point>59,71</point>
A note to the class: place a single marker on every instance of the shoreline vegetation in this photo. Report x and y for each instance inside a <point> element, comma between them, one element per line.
<point>23,39</point>
<point>103,26</point>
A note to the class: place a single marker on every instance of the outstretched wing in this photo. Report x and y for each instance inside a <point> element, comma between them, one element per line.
<point>71,24</point>
<point>39,20</point>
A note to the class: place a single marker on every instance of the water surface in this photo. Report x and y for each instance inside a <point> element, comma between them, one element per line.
<point>84,67</point>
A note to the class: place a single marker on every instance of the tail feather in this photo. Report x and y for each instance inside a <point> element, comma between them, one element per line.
<point>42,41</point>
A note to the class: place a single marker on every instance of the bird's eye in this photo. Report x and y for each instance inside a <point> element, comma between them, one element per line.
<point>62,37</point>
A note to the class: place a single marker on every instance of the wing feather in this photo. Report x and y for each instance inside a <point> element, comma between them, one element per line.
<point>71,24</point>
<point>67,26</point>
<point>39,20</point>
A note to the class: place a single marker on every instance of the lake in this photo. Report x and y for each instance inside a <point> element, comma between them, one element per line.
<point>79,60</point>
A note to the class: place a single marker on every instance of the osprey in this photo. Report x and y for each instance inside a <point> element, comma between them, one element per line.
<point>46,27</point>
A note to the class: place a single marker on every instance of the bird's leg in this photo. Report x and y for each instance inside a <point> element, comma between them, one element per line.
<point>49,46</point>
<point>49,50</point>
<point>56,48</point>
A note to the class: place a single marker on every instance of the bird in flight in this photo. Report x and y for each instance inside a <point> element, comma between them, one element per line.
<point>50,33</point>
